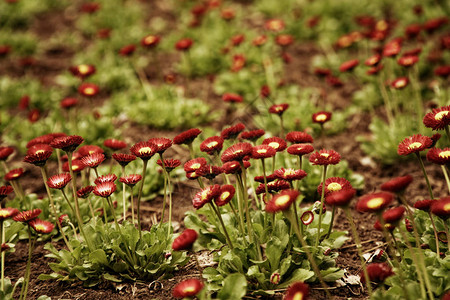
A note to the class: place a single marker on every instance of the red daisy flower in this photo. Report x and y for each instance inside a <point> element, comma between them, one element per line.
<point>349,65</point>
<point>68,103</point>
<point>226,194</point>
<point>289,174</point>
<point>88,89</point>
<point>307,217</point>
<point>333,81</point>
<point>186,137</point>
<point>59,181</point>
<point>169,164</point>
<point>441,208</point>
<point>67,143</point>
<point>439,156</point>
<point>284,40</point>
<point>187,288</point>
<point>131,180</point>
<point>114,144</point>
<point>41,226</point>
<point>144,150</point>
<point>162,144</point>
<point>77,166</point>
<point>424,205</point>
<point>325,157</point>
<point>378,272</point>
<point>340,198</point>
<point>93,160</point>
<point>123,159</point>
<point>238,39</point>
<point>408,60</point>
<point>150,41</point>
<point>206,195</point>
<point>282,201</point>
<point>5,190</point>
<point>5,152</point>
<point>297,291</point>
<point>300,149</point>
<point>408,225</point>
<point>212,145</point>
<point>400,83</point>
<point>89,149</point>
<point>14,174</point>
<point>269,178</point>
<point>232,132</point>
<point>374,202</point>
<point>194,164</point>
<point>276,143</point>
<point>38,154</point>
<point>252,135</point>
<point>105,178</point>
<point>299,137</point>
<point>413,30</point>
<point>278,109</point>
<point>232,98</point>
<point>392,48</point>
<point>4,50</point>
<point>442,71</point>
<point>43,139</point>
<point>434,24</point>
<point>208,171</point>
<point>237,152</point>
<point>185,240</point>
<point>438,118</point>
<point>184,44</point>
<point>393,215</point>
<point>274,25</point>
<point>414,144</point>
<point>8,212</point>
<point>263,151</point>
<point>237,64</point>
<point>334,184</point>
<point>234,167</point>
<point>274,186</point>
<point>82,71</point>
<point>84,192</point>
<point>104,189</point>
<point>373,61</point>
<point>127,50</point>
<point>28,215</point>
<point>259,40</point>
<point>321,117</point>
<point>63,219</point>
<point>397,184</point>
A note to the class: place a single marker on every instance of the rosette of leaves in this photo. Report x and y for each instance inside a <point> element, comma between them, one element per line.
<point>119,255</point>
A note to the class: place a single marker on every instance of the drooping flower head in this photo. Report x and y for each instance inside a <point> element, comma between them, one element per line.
<point>185,240</point>
<point>297,291</point>
<point>104,189</point>
<point>252,135</point>
<point>374,202</point>
<point>59,181</point>
<point>187,288</point>
<point>325,157</point>
<point>289,174</point>
<point>114,144</point>
<point>321,117</point>
<point>38,154</point>
<point>441,208</point>
<point>123,159</point>
<point>234,167</point>
<point>14,174</point>
<point>276,143</point>
<point>105,178</point>
<point>209,171</point>
<point>67,143</point>
<point>162,144</point>
<point>307,217</point>
<point>8,212</point>
<point>278,109</point>
<point>184,44</point>
<point>127,50</point>
<point>187,137</point>
<point>87,89</point>
<point>5,190</point>
<point>93,160</point>
<point>414,144</point>
<point>131,180</point>
<point>206,195</point>
<point>393,215</point>
<point>340,198</point>
<point>397,184</point>
<point>212,145</point>
<point>237,152</point>
<point>349,65</point>
<point>41,226</point>
<point>299,137</point>
<point>226,194</point>
<point>334,184</point>
<point>378,272</point>
<point>43,139</point>
<point>85,191</point>
<point>144,150</point>
<point>28,215</point>
<point>424,205</point>
<point>438,118</point>
<point>232,98</point>
<point>169,164</point>
<point>68,103</point>
<point>232,132</point>
<point>282,201</point>
<point>5,152</point>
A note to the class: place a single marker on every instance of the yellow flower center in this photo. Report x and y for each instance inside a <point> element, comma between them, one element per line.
<point>334,186</point>
<point>440,115</point>
<point>298,296</point>
<point>444,154</point>
<point>39,152</point>
<point>400,83</point>
<point>375,203</point>
<point>40,228</point>
<point>381,25</point>
<point>447,207</point>
<point>415,145</point>
<point>189,289</point>
<point>282,200</point>
<point>262,151</point>
<point>212,144</point>
<point>89,91</point>
<point>204,195</point>
<point>321,118</point>
<point>238,151</point>
<point>83,69</point>
<point>325,155</point>
<point>4,214</point>
<point>224,196</point>
<point>150,40</point>
<point>289,172</point>
<point>145,150</point>
<point>274,145</point>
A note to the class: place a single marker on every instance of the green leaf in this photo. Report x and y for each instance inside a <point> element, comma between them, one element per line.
<point>274,252</point>
<point>44,297</point>
<point>51,276</point>
<point>297,275</point>
<point>234,287</point>
<point>99,257</point>
<point>110,277</point>
<point>332,274</point>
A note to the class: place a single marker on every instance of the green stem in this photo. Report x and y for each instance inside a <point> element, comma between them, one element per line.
<point>430,191</point>
<point>219,216</point>
<point>141,187</point>
<point>24,291</point>
<point>124,201</point>
<point>132,205</point>
<point>435,233</point>
<point>281,127</point>
<point>448,235</point>
<point>265,179</point>
<point>322,197</point>
<point>3,256</point>
<point>333,212</point>
<point>68,202</point>
<point>237,218</point>
<point>444,170</point>
<point>191,151</point>
<point>358,247</point>
<point>447,132</point>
